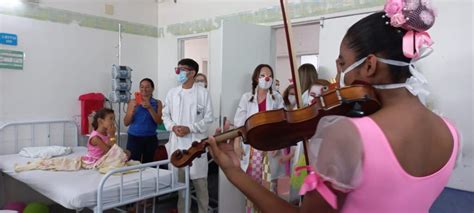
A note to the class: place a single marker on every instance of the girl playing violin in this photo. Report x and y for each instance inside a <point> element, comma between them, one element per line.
<point>377,163</point>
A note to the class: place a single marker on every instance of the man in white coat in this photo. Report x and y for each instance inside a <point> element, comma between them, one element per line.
<point>187,113</point>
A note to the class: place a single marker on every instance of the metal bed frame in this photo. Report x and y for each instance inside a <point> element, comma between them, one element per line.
<point>100,206</point>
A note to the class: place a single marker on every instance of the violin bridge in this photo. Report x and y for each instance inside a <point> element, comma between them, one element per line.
<point>339,96</point>
<point>321,100</point>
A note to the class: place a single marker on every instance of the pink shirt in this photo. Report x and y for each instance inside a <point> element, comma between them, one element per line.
<point>385,186</point>
<point>94,152</point>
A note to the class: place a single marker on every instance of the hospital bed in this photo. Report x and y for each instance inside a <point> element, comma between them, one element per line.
<point>85,188</point>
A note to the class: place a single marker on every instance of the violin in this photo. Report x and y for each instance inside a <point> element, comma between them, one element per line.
<point>277,129</point>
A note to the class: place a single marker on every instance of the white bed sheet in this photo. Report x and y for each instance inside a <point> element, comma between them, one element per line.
<point>78,189</point>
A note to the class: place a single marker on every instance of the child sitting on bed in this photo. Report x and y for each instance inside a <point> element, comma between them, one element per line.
<point>103,154</point>
<point>102,138</point>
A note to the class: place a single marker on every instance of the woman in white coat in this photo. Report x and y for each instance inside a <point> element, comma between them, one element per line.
<point>255,162</point>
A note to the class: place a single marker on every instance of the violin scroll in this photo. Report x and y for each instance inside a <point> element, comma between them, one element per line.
<point>181,157</point>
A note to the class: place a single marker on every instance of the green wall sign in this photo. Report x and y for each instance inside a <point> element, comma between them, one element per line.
<point>10,59</point>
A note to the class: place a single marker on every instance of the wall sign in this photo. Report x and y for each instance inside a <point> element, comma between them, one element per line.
<point>8,39</point>
<point>10,59</point>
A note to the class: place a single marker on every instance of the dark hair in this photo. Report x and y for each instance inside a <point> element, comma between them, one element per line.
<point>308,75</point>
<point>190,63</point>
<point>255,75</point>
<point>101,113</point>
<point>149,81</point>
<point>286,93</point>
<point>374,35</point>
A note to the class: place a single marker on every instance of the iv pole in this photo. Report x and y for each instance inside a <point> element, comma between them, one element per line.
<point>119,63</point>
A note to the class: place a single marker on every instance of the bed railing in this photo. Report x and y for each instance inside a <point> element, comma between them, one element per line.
<point>174,186</point>
<point>37,133</point>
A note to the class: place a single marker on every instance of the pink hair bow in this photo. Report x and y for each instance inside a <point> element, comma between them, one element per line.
<point>413,41</point>
<point>314,182</point>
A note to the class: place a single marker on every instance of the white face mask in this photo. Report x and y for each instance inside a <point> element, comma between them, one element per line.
<point>264,84</point>
<point>292,99</point>
<point>348,69</point>
<point>415,84</point>
<point>201,84</point>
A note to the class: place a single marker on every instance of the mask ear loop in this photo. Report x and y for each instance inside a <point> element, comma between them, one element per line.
<point>415,83</point>
<point>414,72</point>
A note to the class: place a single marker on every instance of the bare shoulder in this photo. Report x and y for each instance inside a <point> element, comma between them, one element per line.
<point>410,131</point>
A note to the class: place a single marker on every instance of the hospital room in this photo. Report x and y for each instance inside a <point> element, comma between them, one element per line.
<point>236,106</point>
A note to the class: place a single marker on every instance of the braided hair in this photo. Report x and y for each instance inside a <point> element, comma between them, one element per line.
<point>255,76</point>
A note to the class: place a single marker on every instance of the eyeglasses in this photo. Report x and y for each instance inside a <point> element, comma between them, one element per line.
<point>179,69</point>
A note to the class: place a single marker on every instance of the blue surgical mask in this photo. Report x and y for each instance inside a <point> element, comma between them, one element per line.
<point>182,77</point>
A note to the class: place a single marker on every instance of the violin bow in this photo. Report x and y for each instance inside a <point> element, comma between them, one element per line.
<point>294,74</point>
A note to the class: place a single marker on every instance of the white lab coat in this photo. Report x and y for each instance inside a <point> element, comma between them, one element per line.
<point>195,113</point>
<point>247,109</point>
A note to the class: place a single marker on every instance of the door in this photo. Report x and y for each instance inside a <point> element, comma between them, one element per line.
<point>236,49</point>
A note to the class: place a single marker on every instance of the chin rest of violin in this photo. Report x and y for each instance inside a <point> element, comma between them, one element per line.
<point>356,111</point>
<point>178,154</point>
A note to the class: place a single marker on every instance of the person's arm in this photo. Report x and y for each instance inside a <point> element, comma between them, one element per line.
<point>103,146</point>
<point>156,115</point>
<point>166,113</point>
<point>127,120</point>
<point>225,156</point>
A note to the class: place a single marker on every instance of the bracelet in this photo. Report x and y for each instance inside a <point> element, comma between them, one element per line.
<point>113,139</point>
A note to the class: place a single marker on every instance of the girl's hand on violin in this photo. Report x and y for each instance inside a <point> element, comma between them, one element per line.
<point>238,149</point>
<point>226,126</point>
<point>224,154</point>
